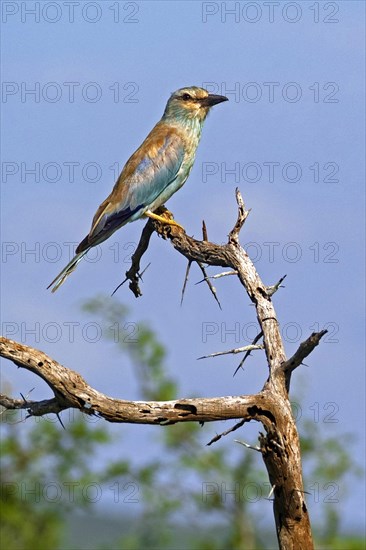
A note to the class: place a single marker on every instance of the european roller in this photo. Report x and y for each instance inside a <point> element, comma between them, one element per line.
<point>159,167</point>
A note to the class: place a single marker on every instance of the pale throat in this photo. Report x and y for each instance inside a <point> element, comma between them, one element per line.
<point>193,124</point>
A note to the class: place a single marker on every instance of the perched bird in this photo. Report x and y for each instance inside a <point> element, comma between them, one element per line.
<point>158,168</point>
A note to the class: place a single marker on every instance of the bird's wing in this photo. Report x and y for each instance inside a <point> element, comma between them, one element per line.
<point>149,171</point>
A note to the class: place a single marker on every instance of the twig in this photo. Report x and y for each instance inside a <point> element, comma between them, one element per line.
<point>242,216</point>
<point>133,273</point>
<point>219,436</point>
<point>272,289</point>
<point>233,351</point>
<point>138,275</point>
<point>303,351</point>
<point>34,408</point>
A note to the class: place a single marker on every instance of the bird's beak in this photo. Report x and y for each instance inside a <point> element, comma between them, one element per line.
<point>213,99</point>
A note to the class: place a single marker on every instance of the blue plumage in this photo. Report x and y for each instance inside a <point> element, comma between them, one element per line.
<point>158,168</point>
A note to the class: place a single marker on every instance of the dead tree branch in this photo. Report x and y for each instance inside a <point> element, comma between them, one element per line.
<point>72,391</point>
<point>279,445</point>
<point>303,351</point>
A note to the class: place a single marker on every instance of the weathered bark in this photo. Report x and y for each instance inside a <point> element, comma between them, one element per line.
<point>280,446</point>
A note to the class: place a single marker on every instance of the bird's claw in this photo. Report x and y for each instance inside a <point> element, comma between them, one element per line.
<point>162,219</point>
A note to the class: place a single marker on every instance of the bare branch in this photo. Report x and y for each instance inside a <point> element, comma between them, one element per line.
<point>72,391</point>
<point>34,408</point>
<point>133,273</point>
<point>242,216</point>
<point>303,351</point>
<point>230,256</point>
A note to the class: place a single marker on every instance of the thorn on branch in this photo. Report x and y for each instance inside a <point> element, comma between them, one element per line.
<point>185,280</point>
<point>59,419</point>
<point>204,231</point>
<point>233,351</point>
<point>206,278</point>
<point>218,276</point>
<point>271,492</point>
<point>240,366</point>
<point>248,446</point>
<point>209,284</point>
<point>25,399</point>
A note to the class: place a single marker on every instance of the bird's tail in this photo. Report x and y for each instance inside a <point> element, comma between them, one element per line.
<point>61,277</point>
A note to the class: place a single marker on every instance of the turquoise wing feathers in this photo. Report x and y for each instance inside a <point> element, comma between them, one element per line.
<point>149,174</point>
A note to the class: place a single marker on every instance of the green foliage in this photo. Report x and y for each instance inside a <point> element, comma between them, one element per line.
<point>45,472</point>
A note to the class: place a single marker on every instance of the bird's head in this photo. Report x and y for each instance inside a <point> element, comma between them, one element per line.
<point>191,103</point>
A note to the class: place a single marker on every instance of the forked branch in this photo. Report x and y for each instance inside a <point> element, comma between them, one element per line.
<point>279,445</point>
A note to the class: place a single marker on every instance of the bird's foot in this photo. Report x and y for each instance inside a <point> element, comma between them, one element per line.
<point>162,219</point>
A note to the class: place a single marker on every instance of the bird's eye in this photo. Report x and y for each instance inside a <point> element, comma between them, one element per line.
<point>186,97</point>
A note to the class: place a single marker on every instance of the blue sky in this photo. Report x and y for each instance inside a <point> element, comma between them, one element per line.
<point>291,137</point>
